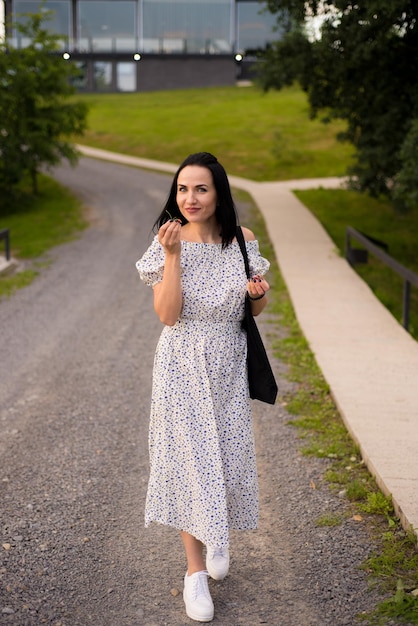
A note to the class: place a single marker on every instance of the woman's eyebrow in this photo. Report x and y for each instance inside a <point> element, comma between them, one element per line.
<point>196,186</point>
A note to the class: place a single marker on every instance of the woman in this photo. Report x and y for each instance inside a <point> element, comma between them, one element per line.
<point>203,478</point>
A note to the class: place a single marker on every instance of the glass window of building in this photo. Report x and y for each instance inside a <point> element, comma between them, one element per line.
<point>107,26</point>
<point>254,26</point>
<point>80,80</point>
<point>102,76</point>
<point>193,26</point>
<point>126,76</point>
<point>59,22</point>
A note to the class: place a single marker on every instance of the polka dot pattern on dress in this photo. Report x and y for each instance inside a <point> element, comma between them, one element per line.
<point>203,476</point>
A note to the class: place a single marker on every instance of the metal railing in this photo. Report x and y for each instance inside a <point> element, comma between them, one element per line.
<point>379,249</point>
<point>4,234</point>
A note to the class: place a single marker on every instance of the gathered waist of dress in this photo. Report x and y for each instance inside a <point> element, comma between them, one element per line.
<point>191,321</point>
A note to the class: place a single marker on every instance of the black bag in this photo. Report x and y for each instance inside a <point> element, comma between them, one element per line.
<point>261,381</point>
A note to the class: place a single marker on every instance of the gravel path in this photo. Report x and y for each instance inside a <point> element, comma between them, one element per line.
<point>77,350</point>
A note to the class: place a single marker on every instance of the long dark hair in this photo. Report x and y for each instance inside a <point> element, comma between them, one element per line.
<point>226,213</point>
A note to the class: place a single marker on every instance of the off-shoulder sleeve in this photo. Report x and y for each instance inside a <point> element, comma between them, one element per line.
<point>151,265</point>
<point>258,264</point>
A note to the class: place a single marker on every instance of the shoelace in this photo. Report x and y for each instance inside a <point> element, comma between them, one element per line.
<point>200,586</point>
<point>214,552</point>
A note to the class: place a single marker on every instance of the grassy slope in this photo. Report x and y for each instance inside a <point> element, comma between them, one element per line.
<point>255,135</point>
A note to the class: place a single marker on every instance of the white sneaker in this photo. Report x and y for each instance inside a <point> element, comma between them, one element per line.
<point>196,596</point>
<point>217,562</point>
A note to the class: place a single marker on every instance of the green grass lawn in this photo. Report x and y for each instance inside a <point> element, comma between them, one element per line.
<point>337,209</point>
<point>36,225</point>
<point>39,223</point>
<point>261,136</point>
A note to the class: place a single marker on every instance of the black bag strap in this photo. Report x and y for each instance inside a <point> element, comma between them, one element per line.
<point>241,241</point>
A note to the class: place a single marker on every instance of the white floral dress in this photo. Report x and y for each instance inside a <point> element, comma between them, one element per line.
<point>203,477</point>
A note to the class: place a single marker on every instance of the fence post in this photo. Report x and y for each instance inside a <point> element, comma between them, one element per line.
<point>406,302</point>
<point>8,246</point>
<point>4,234</point>
<point>347,246</point>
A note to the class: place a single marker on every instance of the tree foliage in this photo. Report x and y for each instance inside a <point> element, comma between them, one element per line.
<point>36,114</point>
<point>364,69</point>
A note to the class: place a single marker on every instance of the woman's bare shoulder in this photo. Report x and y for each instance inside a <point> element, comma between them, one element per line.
<point>248,234</point>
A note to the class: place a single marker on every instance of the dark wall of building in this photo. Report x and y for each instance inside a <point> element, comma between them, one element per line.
<point>182,72</point>
<point>155,72</point>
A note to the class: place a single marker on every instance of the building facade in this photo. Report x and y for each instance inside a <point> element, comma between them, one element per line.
<point>143,45</point>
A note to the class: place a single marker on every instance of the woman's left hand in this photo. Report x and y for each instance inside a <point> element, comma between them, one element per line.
<point>257,287</point>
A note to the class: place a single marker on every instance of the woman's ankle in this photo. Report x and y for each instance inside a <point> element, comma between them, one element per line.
<point>193,570</point>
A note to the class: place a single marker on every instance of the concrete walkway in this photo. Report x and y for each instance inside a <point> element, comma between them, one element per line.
<point>369,361</point>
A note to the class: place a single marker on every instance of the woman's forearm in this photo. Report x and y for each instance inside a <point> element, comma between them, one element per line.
<point>168,297</point>
<point>258,305</point>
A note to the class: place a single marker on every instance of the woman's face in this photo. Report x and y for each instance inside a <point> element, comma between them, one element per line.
<point>196,194</point>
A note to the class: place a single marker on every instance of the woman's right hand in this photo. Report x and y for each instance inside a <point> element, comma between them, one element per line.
<point>168,297</point>
<point>169,237</point>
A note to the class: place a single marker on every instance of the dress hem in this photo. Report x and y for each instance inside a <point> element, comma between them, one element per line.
<point>148,523</point>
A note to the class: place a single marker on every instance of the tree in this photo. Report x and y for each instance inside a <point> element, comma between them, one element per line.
<point>364,69</point>
<point>36,115</point>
